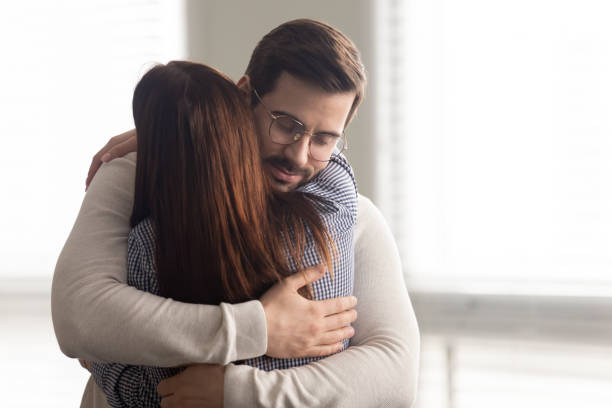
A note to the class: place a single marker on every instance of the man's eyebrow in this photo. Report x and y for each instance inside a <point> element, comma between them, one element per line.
<point>322,132</point>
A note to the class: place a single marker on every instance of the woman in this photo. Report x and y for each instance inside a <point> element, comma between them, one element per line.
<point>206,225</point>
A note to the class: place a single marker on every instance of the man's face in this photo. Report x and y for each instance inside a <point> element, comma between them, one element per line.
<point>322,112</point>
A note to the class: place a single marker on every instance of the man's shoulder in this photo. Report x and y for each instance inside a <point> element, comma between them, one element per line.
<point>338,170</point>
<point>130,157</point>
<point>335,189</point>
<point>128,162</point>
<point>368,217</point>
<point>117,173</point>
<point>336,182</point>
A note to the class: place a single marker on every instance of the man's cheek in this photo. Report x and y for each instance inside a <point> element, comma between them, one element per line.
<point>271,150</point>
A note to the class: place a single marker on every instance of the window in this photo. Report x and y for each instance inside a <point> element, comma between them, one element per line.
<point>68,72</point>
<point>69,69</point>
<point>494,171</point>
<point>496,160</point>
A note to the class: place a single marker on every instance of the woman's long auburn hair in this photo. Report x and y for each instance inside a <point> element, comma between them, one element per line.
<point>221,232</point>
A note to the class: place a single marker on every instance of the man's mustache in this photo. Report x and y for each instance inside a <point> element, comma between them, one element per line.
<point>287,165</point>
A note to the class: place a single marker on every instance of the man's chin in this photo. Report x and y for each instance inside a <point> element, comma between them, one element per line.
<point>282,186</point>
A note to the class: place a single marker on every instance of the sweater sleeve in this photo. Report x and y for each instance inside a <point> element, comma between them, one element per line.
<point>94,311</point>
<point>131,385</point>
<point>381,366</point>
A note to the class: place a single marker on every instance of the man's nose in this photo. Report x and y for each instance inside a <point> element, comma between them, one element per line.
<point>297,152</point>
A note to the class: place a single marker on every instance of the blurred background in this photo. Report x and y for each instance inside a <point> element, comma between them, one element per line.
<point>485,139</point>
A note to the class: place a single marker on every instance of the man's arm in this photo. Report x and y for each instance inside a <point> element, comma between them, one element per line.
<point>387,343</point>
<point>97,317</point>
<point>381,367</point>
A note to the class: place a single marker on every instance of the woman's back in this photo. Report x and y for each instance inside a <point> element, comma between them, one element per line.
<point>206,226</point>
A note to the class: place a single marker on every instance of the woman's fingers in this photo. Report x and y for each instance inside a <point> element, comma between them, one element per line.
<point>117,146</point>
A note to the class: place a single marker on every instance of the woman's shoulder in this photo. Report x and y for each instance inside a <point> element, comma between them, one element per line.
<point>141,238</point>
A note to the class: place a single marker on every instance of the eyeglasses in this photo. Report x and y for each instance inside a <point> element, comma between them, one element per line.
<point>286,130</point>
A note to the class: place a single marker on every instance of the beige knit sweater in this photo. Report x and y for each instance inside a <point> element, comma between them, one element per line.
<point>98,317</point>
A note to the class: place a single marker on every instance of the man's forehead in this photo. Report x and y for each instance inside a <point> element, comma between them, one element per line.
<point>309,103</point>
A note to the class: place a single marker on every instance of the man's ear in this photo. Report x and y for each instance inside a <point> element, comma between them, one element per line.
<point>244,84</point>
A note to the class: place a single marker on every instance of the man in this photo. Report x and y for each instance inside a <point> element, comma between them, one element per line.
<point>311,73</point>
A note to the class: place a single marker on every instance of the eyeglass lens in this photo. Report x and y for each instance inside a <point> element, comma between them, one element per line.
<point>286,130</point>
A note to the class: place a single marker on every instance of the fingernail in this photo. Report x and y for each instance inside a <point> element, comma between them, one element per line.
<point>106,157</point>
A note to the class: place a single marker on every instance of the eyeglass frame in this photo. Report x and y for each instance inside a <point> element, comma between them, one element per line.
<point>275,117</point>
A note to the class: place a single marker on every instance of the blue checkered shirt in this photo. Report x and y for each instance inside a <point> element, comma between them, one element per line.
<point>335,186</point>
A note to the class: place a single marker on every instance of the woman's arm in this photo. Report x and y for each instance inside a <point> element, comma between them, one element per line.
<point>122,384</point>
<point>381,366</point>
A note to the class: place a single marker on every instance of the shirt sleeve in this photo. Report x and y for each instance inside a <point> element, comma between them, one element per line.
<point>381,366</point>
<point>336,187</point>
<point>95,312</point>
<point>123,385</point>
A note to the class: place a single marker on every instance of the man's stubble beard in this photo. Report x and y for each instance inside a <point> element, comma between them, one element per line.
<point>278,161</point>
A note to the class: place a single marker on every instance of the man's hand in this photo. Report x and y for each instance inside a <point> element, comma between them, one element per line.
<point>117,146</point>
<point>200,385</point>
<point>298,327</point>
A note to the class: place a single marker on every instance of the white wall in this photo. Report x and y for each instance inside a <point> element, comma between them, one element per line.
<point>223,33</point>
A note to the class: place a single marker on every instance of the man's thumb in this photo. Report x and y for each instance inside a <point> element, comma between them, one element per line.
<point>309,275</point>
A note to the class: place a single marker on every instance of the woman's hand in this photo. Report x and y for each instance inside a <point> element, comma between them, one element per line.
<point>199,386</point>
<point>117,146</point>
<point>298,327</point>
<point>85,364</point>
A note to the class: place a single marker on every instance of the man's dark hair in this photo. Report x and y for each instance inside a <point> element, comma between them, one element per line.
<point>311,51</point>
